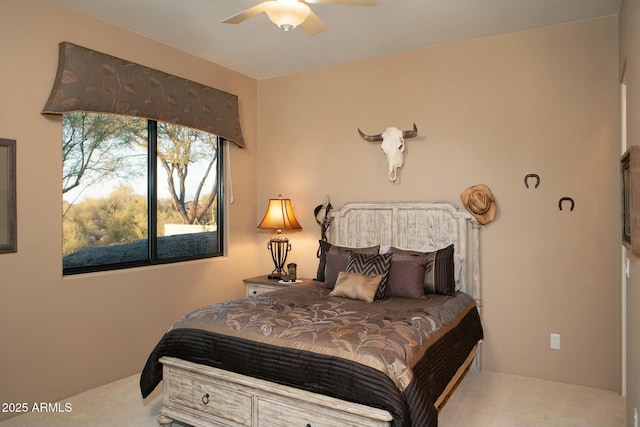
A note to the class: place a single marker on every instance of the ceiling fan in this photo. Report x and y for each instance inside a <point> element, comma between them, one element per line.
<point>288,14</point>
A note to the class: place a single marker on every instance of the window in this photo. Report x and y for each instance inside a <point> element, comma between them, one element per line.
<point>138,192</point>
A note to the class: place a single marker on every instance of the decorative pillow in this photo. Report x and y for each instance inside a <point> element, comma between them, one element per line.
<point>406,278</point>
<point>356,286</point>
<point>326,247</point>
<point>371,264</point>
<point>334,265</point>
<point>439,275</point>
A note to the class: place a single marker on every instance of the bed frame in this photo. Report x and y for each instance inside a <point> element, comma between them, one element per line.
<point>204,396</point>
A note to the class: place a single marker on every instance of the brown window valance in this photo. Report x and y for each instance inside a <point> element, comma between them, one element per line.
<point>87,80</point>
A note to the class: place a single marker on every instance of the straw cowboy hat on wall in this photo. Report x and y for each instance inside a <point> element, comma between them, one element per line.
<point>479,201</point>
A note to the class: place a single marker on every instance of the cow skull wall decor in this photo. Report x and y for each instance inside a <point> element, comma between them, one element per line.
<point>393,146</point>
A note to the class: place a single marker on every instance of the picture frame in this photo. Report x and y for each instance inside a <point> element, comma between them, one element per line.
<point>630,183</point>
<point>8,214</point>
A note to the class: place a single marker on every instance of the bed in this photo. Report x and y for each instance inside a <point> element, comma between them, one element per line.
<point>360,346</point>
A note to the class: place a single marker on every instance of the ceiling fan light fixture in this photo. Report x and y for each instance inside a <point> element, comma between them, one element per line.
<point>286,14</point>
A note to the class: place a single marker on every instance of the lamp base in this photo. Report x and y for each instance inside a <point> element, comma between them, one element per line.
<point>279,248</point>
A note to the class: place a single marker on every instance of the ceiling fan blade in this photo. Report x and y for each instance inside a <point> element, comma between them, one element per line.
<point>243,16</point>
<point>345,2</point>
<point>313,24</point>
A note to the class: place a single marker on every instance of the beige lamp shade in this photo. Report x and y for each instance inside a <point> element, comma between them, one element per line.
<point>279,216</point>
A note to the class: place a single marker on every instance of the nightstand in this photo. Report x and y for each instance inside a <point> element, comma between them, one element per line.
<point>261,284</point>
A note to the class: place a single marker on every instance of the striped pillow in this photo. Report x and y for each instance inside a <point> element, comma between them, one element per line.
<point>326,247</point>
<point>439,277</point>
<point>371,264</point>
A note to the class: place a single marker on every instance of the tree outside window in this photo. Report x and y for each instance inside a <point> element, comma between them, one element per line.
<point>121,209</point>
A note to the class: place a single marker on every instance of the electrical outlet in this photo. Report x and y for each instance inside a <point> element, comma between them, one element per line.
<point>635,417</point>
<point>555,341</point>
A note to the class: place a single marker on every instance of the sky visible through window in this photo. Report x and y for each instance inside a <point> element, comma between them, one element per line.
<point>103,188</point>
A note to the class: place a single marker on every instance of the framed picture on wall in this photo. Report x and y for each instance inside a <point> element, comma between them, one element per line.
<point>8,195</point>
<point>630,170</point>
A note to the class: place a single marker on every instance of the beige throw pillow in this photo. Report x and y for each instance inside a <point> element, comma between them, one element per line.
<point>356,286</point>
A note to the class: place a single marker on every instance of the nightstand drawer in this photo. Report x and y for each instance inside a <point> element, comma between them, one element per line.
<point>261,284</point>
<point>254,289</point>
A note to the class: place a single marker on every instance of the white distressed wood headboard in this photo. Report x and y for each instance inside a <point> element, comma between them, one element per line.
<point>416,226</point>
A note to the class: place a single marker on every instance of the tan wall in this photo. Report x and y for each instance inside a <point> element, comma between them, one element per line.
<point>629,67</point>
<point>488,111</point>
<point>61,335</point>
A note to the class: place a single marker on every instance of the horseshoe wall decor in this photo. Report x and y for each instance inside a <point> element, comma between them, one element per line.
<point>532,175</point>
<point>566,199</point>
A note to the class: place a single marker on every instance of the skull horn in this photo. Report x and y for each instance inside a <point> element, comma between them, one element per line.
<point>409,133</point>
<point>370,138</point>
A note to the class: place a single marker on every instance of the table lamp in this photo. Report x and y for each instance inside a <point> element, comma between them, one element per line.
<point>279,216</point>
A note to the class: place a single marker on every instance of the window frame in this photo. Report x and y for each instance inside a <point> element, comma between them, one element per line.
<point>152,191</point>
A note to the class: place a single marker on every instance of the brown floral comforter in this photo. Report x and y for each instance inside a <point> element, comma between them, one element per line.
<point>315,336</point>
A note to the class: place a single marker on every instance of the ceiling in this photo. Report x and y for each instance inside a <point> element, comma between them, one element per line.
<point>259,49</point>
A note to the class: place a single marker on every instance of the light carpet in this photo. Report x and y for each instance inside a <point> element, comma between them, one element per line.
<point>482,399</point>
